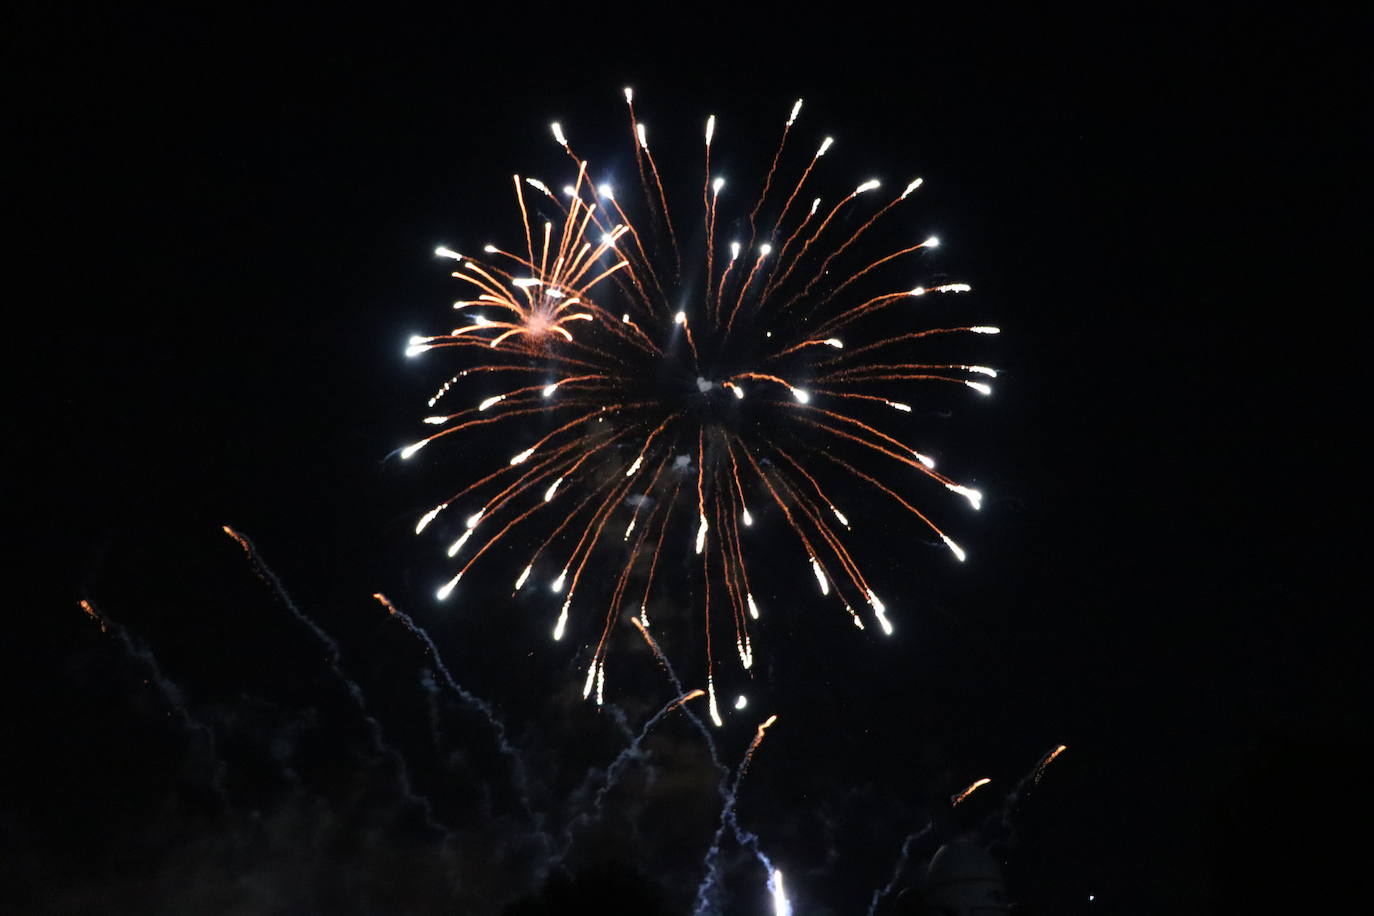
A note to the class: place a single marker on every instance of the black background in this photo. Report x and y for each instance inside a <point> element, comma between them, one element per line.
<point>225,227</point>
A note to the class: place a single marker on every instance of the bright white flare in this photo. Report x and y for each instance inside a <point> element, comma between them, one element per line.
<point>911,187</point>
<point>520,458</point>
<point>975,498</point>
<point>734,250</point>
<point>741,701</point>
<point>931,242</point>
<point>747,518</point>
<point>558,134</point>
<point>928,461</point>
<point>982,370</point>
<point>474,518</point>
<point>429,517</point>
<point>710,129</point>
<point>898,405</point>
<point>868,186</point>
<point>980,387</point>
<point>711,696</point>
<point>635,466</point>
<point>558,583</point>
<point>796,110</point>
<point>436,421</point>
<point>820,576</point>
<point>562,624</point>
<point>553,488</point>
<point>643,135</point>
<point>717,185</point>
<point>415,350</point>
<point>986,330</point>
<point>494,399</point>
<point>549,390</point>
<point>701,534</point>
<point>606,191</point>
<point>954,548</point>
<point>525,574</point>
<point>629,94</point>
<point>840,515</point>
<point>753,608</point>
<point>591,676</point>
<point>413,448</point>
<point>680,318</point>
<point>801,395</point>
<point>444,251</point>
<point>834,342</point>
<point>765,250</point>
<point>825,145</point>
<point>458,544</point>
<point>447,588</point>
<point>781,907</point>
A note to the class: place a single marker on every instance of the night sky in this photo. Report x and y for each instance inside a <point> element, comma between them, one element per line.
<point>229,226</point>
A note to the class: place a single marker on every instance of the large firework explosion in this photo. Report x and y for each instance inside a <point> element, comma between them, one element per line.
<point>648,394</point>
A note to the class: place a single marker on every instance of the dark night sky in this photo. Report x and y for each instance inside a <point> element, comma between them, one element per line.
<point>231,224</point>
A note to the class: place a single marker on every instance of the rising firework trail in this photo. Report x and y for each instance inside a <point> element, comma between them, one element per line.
<point>676,408</point>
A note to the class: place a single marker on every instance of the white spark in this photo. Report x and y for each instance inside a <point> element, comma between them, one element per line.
<point>489,249</point>
<point>741,701</point>
<point>898,405</point>
<point>840,515</point>
<point>980,387</point>
<point>635,466</point>
<point>765,250</point>
<point>747,518</point>
<point>443,251</point>
<point>954,548</point>
<point>982,370</point>
<point>525,574</point>
<point>558,134</point>
<point>717,185</point>
<point>474,518</point>
<point>628,528</point>
<point>416,349</point>
<point>553,488</point>
<point>801,395</point>
<point>591,676</point>
<point>710,129</point>
<point>711,695</point>
<point>520,458</point>
<point>796,110</point>
<point>867,186</point>
<point>606,191</point>
<point>931,242</point>
<point>986,330</point>
<point>629,94</point>
<point>549,390</point>
<point>436,421</point>
<point>458,544</point>
<point>557,585</point>
<point>562,624</point>
<point>525,282</point>
<point>494,399</point>
<point>928,461</point>
<point>975,498</point>
<point>820,576</point>
<point>447,588</point>
<point>643,135</point>
<point>413,448</point>
<point>429,517</point>
<point>825,145</point>
<point>753,608</point>
<point>734,250</point>
<point>680,318</point>
<point>701,533</point>
<point>834,342</point>
<point>911,187</point>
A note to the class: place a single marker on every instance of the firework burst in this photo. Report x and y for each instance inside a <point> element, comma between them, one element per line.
<point>767,386</point>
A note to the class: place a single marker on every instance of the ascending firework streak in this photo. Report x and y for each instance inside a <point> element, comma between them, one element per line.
<point>645,411</point>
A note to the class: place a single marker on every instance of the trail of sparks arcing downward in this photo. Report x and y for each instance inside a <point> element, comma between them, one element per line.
<point>634,382</point>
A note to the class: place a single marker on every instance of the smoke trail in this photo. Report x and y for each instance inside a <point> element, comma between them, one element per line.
<point>728,819</point>
<point>171,693</point>
<point>374,728</point>
<point>880,895</point>
<point>631,752</point>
